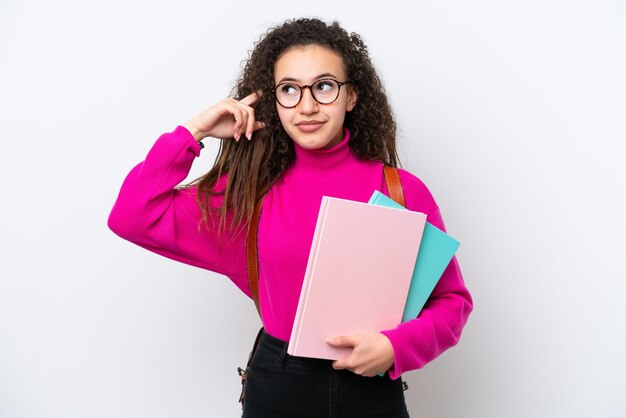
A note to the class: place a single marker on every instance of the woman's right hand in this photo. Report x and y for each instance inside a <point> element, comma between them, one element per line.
<point>229,118</point>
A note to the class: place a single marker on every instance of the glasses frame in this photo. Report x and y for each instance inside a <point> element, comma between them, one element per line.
<point>339,84</point>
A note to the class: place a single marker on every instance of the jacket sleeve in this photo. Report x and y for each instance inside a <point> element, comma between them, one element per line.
<point>441,321</point>
<point>153,213</point>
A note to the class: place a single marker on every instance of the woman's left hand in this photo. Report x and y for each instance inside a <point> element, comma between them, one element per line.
<point>372,353</point>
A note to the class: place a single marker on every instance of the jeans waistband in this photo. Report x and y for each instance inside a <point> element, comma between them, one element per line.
<point>278,347</point>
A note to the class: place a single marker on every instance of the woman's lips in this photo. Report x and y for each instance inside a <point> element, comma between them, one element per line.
<point>310,127</point>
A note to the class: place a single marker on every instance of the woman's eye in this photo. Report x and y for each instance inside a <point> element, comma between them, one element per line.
<point>288,89</point>
<point>324,85</point>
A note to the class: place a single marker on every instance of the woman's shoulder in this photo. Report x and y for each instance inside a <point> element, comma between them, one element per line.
<point>417,195</point>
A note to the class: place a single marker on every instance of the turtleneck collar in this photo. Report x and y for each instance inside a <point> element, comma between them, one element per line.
<point>324,158</point>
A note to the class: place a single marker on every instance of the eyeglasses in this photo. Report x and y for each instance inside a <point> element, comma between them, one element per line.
<point>324,91</point>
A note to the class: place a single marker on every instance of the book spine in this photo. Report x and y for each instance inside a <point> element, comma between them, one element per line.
<point>306,284</point>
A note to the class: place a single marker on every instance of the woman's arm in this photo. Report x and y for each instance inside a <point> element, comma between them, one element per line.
<point>441,321</point>
<point>152,213</point>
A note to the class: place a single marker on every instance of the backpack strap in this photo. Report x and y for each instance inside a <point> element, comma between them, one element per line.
<point>394,186</point>
<point>252,252</point>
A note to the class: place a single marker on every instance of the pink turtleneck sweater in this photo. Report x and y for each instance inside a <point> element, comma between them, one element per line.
<point>153,213</point>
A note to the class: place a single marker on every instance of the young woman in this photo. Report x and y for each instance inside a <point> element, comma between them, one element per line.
<point>309,118</point>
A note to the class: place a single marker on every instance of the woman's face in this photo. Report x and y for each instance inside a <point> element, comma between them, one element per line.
<point>304,66</point>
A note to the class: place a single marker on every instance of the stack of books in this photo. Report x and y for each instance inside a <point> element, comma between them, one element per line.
<point>371,266</point>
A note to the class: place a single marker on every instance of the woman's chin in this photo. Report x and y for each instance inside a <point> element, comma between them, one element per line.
<point>311,142</point>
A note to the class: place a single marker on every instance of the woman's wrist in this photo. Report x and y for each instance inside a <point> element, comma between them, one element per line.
<point>198,136</point>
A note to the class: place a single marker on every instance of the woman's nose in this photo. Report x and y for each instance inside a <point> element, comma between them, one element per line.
<point>308,104</point>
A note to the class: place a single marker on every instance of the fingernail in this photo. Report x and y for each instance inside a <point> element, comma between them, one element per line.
<point>248,135</point>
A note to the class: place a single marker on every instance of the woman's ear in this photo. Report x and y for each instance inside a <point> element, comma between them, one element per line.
<point>353,96</point>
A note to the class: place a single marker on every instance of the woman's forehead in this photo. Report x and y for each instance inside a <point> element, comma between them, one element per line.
<point>305,64</point>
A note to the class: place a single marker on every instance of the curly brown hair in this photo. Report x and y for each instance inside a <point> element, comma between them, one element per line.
<point>254,166</point>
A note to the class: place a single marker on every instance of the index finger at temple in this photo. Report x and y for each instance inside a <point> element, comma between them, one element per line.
<point>251,98</point>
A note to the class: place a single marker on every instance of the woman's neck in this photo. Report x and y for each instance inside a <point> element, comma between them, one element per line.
<point>324,159</point>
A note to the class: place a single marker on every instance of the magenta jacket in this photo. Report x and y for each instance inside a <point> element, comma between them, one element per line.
<point>153,213</point>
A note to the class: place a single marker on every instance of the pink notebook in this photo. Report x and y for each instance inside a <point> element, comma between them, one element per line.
<point>358,274</point>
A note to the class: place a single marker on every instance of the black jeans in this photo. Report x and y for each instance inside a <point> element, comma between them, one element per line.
<point>281,385</point>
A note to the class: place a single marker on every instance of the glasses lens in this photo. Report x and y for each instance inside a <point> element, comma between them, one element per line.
<point>288,94</point>
<point>325,91</point>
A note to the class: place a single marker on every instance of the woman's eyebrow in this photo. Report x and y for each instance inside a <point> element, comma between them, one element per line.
<point>316,78</point>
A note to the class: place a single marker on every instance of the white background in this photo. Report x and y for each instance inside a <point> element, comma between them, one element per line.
<point>511,112</point>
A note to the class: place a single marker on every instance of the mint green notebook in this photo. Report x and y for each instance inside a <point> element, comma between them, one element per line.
<point>436,250</point>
